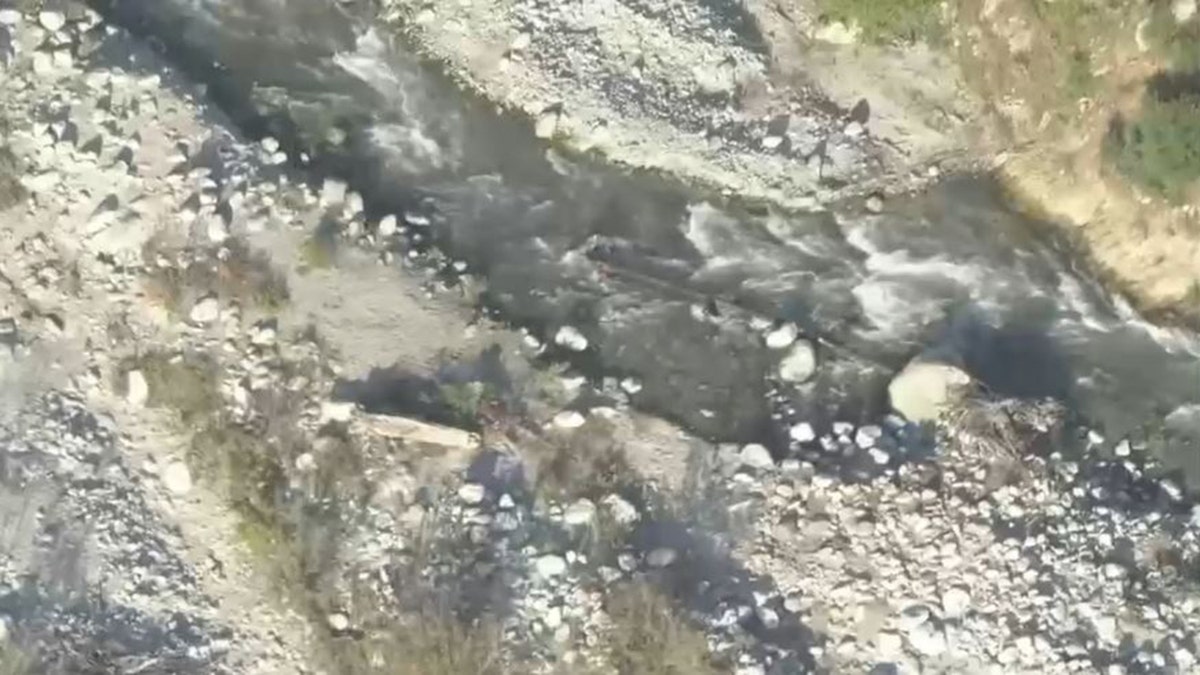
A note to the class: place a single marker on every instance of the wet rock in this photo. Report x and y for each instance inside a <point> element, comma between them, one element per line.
<point>550,566</point>
<point>137,391</point>
<point>802,432</point>
<point>205,311</point>
<point>177,479</point>
<point>757,457</point>
<point>471,493</point>
<point>799,364</point>
<point>387,226</point>
<point>570,338</point>
<point>620,510</point>
<point>782,337</point>
<point>661,557</point>
<point>923,389</point>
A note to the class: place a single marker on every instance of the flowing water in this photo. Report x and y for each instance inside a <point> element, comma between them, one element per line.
<point>668,283</point>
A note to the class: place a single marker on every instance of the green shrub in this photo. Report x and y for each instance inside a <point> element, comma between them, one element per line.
<point>1178,44</point>
<point>884,21</point>
<point>1161,149</point>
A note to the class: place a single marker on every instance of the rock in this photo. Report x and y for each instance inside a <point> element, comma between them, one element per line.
<point>772,142</point>
<point>631,385</point>
<point>52,21</point>
<point>205,311</point>
<point>1123,449</point>
<point>581,512</point>
<point>550,566</point>
<point>837,33</point>
<point>137,392</point>
<point>923,389</point>
<point>626,562</point>
<point>1183,10</point>
<point>333,191</point>
<point>800,363</point>
<point>783,336</point>
<point>9,17</point>
<point>879,456</point>
<point>570,338</point>
<point>802,432</point>
<point>661,557</point>
<point>927,640</point>
<point>867,436</point>
<point>177,479</point>
<point>418,431</point>
<point>305,462</point>
<point>471,493</point>
<point>756,456</point>
<point>955,603</point>
<point>387,226</point>
<point>569,419</point>
<point>547,124</point>
<point>874,204</point>
<point>620,510</point>
<point>338,622</point>
<point>262,335</point>
<point>521,42</point>
<point>337,411</point>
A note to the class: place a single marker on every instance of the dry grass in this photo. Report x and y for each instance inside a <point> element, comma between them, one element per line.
<point>185,383</point>
<point>432,642</point>
<point>650,638</point>
<point>243,275</point>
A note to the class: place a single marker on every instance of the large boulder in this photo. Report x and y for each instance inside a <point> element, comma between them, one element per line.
<point>923,389</point>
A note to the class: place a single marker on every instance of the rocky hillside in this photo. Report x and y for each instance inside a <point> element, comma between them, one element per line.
<point>249,428</point>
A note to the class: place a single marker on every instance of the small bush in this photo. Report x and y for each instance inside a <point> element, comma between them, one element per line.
<point>243,275</point>
<point>649,638</point>
<point>433,642</point>
<point>1161,150</point>
<point>184,383</point>
<point>884,21</point>
<point>12,192</point>
<point>1178,44</point>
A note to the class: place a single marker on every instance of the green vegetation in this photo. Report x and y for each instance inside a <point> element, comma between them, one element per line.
<point>1161,149</point>
<point>650,638</point>
<point>1178,44</point>
<point>885,21</point>
<point>318,253</point>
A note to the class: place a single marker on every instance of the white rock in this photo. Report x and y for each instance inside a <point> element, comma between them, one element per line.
<point>570,338</point>
<point>205,311</point>
<point>354,203</point>
<point>1123,449</point>
<point>757,457</point>
<point>506,501</point>
<point>772,142</point>
<point>802,432</point>
<point>177,479</point>
<point>521,42</point>
<point>569,419</point>
<point>262,336</point>
<point>782,337</point>
<point>768,617</point>
<point>581,512</point>
<point>927,639</point>
<point>9,17</point>
<point>333,191</point>
<point>842,429</point>
<point>867,436</point>
<point>1183,10</point>
<point>52,21</point>
<point>215,230</point>
<point>547,124</point>
<point>471,493</point>
<point>874,204</point>
<point>631,385</point>
<point>338,621</point>
<point>837,33</point>
<point>387,226</point>
<point>923,389</point>
<point>337,411</point>
<point>1106,629</point>
<point>269,145</point>
<point>661,557</point>
<point>620,510</point>
<point>137,391</point>
<point>955,603</point>
<point>549,566</point>
<point>799,364</point>
<point>305,462</point>
<point>879,456</point>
